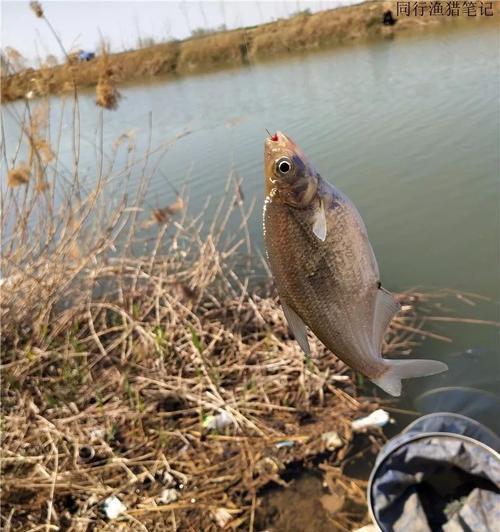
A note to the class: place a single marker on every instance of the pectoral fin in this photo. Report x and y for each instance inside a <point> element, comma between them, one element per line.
<point>297,327</point>
<point>386,307</point>
<point>319,227</point>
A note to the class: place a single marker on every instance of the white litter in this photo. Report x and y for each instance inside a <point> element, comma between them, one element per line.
<point>378,418</point>
<point>167,479</point>
<point>168,495</point>
<point>219,422</point>
<point>332,440</point>
<point>97,434</point>
<point>222,517</point>
<point>113,507</point>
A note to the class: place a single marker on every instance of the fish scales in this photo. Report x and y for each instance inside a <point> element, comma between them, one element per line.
<point>325,270</point>
<point>310,275</point>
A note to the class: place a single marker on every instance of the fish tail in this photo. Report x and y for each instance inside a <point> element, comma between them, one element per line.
<point>390,381</point>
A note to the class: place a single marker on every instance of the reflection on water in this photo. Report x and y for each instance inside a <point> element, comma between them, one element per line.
<point>407,128</point>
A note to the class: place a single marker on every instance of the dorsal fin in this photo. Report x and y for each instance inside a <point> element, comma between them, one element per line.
<point>297,327</point>
<point>386,307</point>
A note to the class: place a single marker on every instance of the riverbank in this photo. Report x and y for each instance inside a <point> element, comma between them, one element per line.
<point>158,390</point>
<point>160,386</point>
<point>234,48</point>
<point>180,394</point>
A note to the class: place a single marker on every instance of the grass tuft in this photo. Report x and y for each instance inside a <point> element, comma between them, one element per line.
<point>19,175</point>
<point>36,7</point>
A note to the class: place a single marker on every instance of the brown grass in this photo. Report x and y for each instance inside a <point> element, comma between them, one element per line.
<point>229,48</point>
<point>104,391</point>
<point>225,48</point>
<point>36,7</point>
<point>112,363</point>
<point>107,95</point>
<point>19,175</point>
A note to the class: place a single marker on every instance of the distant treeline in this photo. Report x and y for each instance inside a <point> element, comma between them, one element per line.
<point>206,51</point>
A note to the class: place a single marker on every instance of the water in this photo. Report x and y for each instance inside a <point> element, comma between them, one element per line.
<point>408,128</point>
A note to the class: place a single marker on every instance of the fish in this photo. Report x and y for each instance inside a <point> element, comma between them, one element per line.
<point>325,270</point>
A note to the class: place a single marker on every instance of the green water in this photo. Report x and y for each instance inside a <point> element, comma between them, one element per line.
<point>408,128</point>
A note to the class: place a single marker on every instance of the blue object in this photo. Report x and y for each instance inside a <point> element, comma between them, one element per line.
<point>86,56</point>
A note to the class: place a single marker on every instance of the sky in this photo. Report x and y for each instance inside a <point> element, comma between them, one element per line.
<point>80,23</point>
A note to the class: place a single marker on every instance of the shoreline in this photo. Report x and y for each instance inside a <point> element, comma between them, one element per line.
<point>301,33</point>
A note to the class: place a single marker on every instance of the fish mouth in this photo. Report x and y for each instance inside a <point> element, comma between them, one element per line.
<point>279,144</point>
<point>278,139</point>
<point>272,137</point>
<point>276,144</point>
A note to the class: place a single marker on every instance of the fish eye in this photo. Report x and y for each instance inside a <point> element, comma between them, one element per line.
<point>283,165</point>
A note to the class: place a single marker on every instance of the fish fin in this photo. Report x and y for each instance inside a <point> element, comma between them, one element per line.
<point>297,327</point>
<point>386,307</point>
<point>390,381</point>
<point>319,227</point>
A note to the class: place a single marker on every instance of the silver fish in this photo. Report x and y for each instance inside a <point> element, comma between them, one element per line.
<point>325,270</point>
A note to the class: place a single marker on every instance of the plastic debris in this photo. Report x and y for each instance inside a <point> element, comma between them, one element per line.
<point>86,453</point>
<point>378,418</point>
<point>83,55</point>
<point>332,440</point>
<point>167,479</point>
<point>267,466</point>
<point>113,507</point>
<point>97,434</point>
<point>285,443</point>
<point>219,422</point>
<point>222,517</point>
<point>168,495</point>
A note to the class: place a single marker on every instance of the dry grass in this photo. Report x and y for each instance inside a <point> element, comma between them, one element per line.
<point>228,48</point>
<point>105,390</point>
<point>112,363</point>
<point>36,7</point>
<point>19,175</point>
<point>328,28</point>
<point>107,95</point>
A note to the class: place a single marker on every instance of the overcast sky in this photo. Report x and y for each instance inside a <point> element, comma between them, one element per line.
<point>79,23</point>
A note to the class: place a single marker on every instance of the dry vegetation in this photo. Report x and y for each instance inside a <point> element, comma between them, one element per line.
<point>226,48</point>
<point>113,363</point>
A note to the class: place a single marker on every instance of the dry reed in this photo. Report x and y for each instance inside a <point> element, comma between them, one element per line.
<point>36,7</point>
<point>107,95</point>
<point>19,175</point>
<point>112,365</point>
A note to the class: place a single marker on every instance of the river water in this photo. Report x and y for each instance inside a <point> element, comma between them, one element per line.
<point>407,127</point>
